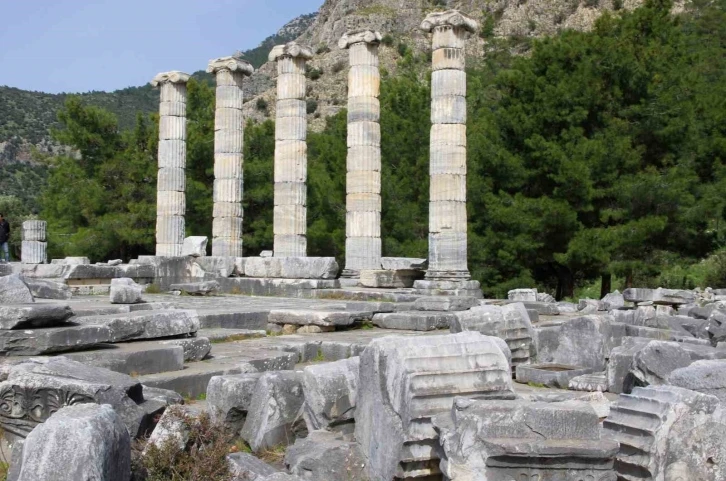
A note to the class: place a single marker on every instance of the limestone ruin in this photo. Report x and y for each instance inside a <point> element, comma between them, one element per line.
<point>393,369</point>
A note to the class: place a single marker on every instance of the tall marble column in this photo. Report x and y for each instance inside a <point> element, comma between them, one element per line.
<point>228,155</point>
<point>363,180</point>
<point>291,159</point>
<point>171,181</point>
<point>447,168</point>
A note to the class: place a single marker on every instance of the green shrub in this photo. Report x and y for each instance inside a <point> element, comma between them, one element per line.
<point>261,104</point>
<point>387,40</point>
<point>311,106</point>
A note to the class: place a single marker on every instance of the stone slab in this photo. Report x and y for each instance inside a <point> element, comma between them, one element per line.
<point>21,316</point>
<point>414,320</point>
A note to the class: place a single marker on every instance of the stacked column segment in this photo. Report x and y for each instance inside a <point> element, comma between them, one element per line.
<point>171,180</point>
<point>228,155</point>
<point>447,200</point>
<point>290,195</point>
<point>363,180</point>
<point>34,246</point>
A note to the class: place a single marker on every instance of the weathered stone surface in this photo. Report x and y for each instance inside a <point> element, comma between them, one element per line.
<point>590,382</point>
<point>614,300</point>
<point>275,411</point>
<point>403,263</point>
<point>444,303</point>
<point>229,398</point>
<point>588,306</point>
<point>566,307</point>
<point>172,429</point>
<point>509,322</point>
<point>389,279</point>
<point>136,358</point>
<point>583,342</point>
<point>659,296</point>
<point>405,381</point>
<point>521,295</point>
<point>146,324</point>
<point>550,375</point>
<point>330,393</point>
<point>322,456</point>
<point>84,442</point>
<point>195,348</point>
<point>317,318</point>
<point>45,289</point>
<point>505,440</point>
<point>414,320</point>
<point>707,376</point>
<point>27,342</point>
<point>195,246</point>
<point>246,467</point>
<point>652,364</point>
<point>14,291</point>
<point>33,315</point>
<point>669,433</point>
<point>543,308</point>
<point>57,382</point>
<point>292,267</point>
<point>197,288</point>
<point>125,291</point>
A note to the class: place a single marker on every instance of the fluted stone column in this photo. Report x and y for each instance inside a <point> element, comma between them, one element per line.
<point>171,181</point>
<point>363,180</point>
<point>447,198</point>
<point>291,160</point>
<point>34,246</point>
<point>228,156</point>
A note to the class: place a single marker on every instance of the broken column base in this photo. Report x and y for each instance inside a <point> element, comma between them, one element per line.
<point>467,288</point>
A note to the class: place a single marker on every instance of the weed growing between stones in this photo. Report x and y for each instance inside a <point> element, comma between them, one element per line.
<point>153,289</point>
<point>203,458</point>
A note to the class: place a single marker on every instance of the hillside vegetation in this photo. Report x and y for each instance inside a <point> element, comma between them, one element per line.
<point>597,158</point>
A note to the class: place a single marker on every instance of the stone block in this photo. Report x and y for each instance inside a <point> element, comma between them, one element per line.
<point>290,86</point>
<point>448,109</point>
<point>595,382</point>
<point>228,165</point>
<point>170,230</point>
<point>447,216</point>
<point>246,467</point>
<point>229,398</point>
<point>146,324</point>
<point>448,59</point>
<point>172,128</point>
<point>448,83</point>
<point>290,245</point>
<point>363,109</point>
<point>583,341</point>
<point>291,128</point>
<point>404,382</point>
<point>654,362</point>
<point>172,154</point>
<point>614,300</point>
<point>516,439</point>
<point>53,340</point>
<point>197,288</point>
<point>45,289</point>
<point>330,391</point>
<point>667,432</point>
<point>290,193</point>
<point>275,409</point>
<point>125,291</point>
<point>550,375</point>
<point>82,442</point>
<point>522,295</point>
<point>57,382</point>
<point>195,246</point>
<point>292,267</point>
<point>317,318</point>
<point>447,159</point>
<point>290,108</point>
<point>229,97</point>
<point>444,303</point>
<point>510,322</point>
<point>323,456</point>
<point>389,279</point>
<point>13,290</point>
<point>34,230</point>
<point>364,81</point>
<point>171,179</point>
<point>195,348</point>
<point>403,263</point>
<point>33,252</point>
<point>27,316</point>
<point>228,190</point>
<point>290,219</point>
<point>414,320</point>
<point>362,224</point>
<point>705,376</point>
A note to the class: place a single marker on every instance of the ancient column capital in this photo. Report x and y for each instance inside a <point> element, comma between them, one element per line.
<point>175,77</point>
<point>291,49</point>
<point>359,36</point>
<point>231,63</point>
<point>450,18</point>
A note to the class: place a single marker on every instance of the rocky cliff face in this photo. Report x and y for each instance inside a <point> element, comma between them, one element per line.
<point>400,20</point>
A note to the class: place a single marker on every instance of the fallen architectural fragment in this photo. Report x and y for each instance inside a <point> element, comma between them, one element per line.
<point>34,246</point>
<point>322,455</point>
<point>404,382</point>
<point>83,442</point>
<point>504,440</point>
<point>330,395</point>
<point>125,291</point>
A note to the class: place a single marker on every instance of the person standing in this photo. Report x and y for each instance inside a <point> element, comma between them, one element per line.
<point>4,239</point>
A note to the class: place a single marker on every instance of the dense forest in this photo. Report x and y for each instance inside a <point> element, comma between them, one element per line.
<point>595,161</point>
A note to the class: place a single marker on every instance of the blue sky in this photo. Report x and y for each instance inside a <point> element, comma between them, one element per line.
<point>77,45</point>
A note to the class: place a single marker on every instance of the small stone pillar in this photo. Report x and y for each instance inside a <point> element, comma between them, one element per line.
<point>291,160</point>
<point>447,198</point>
<point>363,181</point>
<point>228,155</point>
<point>171,180</point>
<point>34,246</point>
